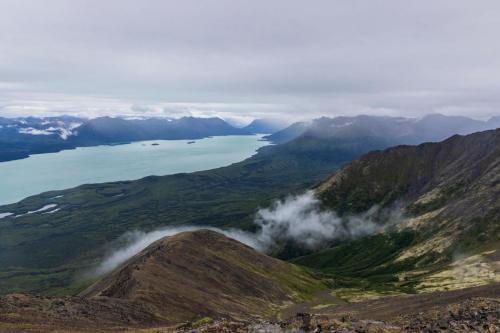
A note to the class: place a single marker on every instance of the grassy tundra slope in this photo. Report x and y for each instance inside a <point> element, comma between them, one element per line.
<point>450,234</point>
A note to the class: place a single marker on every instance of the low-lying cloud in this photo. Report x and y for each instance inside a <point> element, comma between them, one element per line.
<point>302,220</point>
<point>135,241</point>
<point>299,219</point>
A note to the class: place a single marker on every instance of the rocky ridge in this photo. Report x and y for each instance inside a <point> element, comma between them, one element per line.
<point>449,196</point>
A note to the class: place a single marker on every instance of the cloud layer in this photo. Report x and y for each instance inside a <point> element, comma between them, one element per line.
<point>135,241</point>
<point>302,220</point>
<point>257,58</point>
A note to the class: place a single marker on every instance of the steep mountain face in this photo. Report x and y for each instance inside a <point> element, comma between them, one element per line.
<point>264,126</point>
<point>450,195</point>
<point>180,278</point>
<point>459,168</point>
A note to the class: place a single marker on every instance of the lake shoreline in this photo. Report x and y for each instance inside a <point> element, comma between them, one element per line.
<point>120,162</point>
<point>22,156</point>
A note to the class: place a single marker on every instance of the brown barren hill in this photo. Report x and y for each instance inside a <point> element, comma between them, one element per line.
<point>181,278</point>
<point>203,273</point>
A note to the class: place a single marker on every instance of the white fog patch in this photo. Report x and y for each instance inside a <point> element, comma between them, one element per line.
<point>64,131</point>
<point>136,241</point>
<point>34,131</point>
<point>302,220</point>
<point>297,218</point>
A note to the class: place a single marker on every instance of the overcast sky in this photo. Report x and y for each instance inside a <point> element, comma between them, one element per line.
<point>245,59</point>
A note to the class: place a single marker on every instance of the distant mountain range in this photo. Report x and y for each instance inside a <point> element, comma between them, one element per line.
<point>397,130</point>
<point>21,137</point>
<point>115,130</point>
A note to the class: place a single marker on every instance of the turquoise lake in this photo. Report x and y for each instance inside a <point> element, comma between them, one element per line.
<point>69,168</point>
